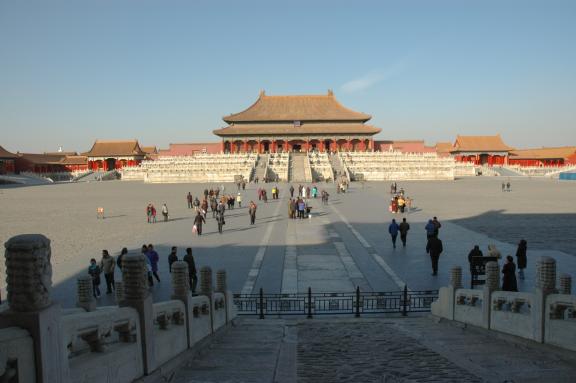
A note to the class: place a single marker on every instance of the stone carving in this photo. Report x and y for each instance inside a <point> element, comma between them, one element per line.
<point>85,296</point>
<point>28,272</point>
<point>456,277</point>
<point>119,291</point>
<point>546,275</point>
<point>134,277</point>
<point>565,284</point>
<point>221,281</point>
<point>206,281</point>
<point>180,281</point>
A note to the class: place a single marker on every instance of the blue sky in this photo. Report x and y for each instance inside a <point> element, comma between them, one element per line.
<point>167,71</point>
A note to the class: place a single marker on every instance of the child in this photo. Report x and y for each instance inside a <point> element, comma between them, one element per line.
<point>94,271</point>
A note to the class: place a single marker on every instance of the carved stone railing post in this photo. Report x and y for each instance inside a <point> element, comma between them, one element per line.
<point>565,284</point>
<point>85,296</point>
<point>136,295</point>
<point>456,277</point>
<point>222,287</point>
<point>492,284</point>
<point>207,289</point>
<point>545,285</point>
<point>181,292</point>
<point>119,291</point>
<point>29,282</point>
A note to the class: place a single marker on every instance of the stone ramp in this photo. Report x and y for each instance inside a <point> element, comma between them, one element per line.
<point>373,350</point>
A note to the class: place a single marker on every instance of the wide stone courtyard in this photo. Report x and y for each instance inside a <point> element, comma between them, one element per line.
<point>345,244</point>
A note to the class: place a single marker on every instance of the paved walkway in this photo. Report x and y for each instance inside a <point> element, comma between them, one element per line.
<point>373,350</point>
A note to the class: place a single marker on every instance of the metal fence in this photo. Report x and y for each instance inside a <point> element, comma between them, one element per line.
<point>356,303</point>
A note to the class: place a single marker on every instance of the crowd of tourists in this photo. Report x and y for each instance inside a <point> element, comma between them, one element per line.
<point>399,203</point>
<point>108,265</point>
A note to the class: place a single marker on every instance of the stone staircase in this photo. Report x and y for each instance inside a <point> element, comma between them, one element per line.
<point>297,168</point>
<point>261,168</point>
<point>337,166</point>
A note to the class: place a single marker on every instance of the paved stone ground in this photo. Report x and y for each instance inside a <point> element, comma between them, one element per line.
<point>345,244</point>
<point>373,350</point>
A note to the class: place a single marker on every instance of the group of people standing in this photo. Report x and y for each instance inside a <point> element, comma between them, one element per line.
<point>108,265</point>
<point>151,213</point>
<point>399,203</point>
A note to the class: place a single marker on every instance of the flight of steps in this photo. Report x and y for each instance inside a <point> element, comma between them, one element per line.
<point>261,167</point>
<point>298,168</point>
<point>336,165</point>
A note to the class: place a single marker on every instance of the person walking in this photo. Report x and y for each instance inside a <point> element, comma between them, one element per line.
<point>107,264</point>
<point>430,229</point>
<point>172,257</point>
<point>198,221</point>
<point>521,258</point>
<point>404,227</point>
<point>154,258</point>
<point>149,213</point>
<point>119,259</point>
<point>434,248</point>
<point>192,278</point>
<point>94,271</point>
<point>393,230</point>
<point>239,200</point>
<point>165,212</point>
<point>509,279</point>
<point>252,212</point>
<point>189,199</point>
<point>213,206</point>
<point>291,191</point>
<point>220,220</point>
<point>437,226</point>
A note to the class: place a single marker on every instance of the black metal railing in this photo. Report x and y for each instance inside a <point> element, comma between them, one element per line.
<point>356,303</point>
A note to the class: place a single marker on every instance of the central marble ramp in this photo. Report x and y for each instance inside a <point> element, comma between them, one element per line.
<point>315,258</point>
<point>372,350</point>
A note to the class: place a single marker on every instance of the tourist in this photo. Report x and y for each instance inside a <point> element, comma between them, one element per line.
<point>264,196</point>
<point>409,202</point>
<point>430,229</point>
<point>189,199</point>
<point>172,257</point>
<point>192,278</point>
<point>294,206</point>
<point>404,227</point>
<point>493,251</point>
<point>119,259</point>
<point>314,192</point>
<point>220,220</point>
<point>144,252</point>
<point>196,203</point>
<point>153,211</point>
<point>206,193</point>
<point>165,212</point>
<point>243,185</point>
<point>290,207</point>
<point>252,212</point>
<point>434,248</point>
<point>204,207</point>
<point>259,192</point>
<point>198,221</point>
<point>503,187</point>
<point>508,186</point>
<point>94,271</point>
<point>154,258</point>
<point>437,226</point>
<point>291,191</point>
<point>521,258</point>
<point>213,206</point>
<point>301,207</point>
<point>149,213</point>
<point>239,199</point>
<point>107,264</point>
<point>509,278</point>
<point>475,252</point>
<point>401,204</point>
<point>393,230</point>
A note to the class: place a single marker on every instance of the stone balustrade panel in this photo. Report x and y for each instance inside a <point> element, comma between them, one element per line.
<point>218,311</point>
<point>169,330</point>
<point>560,321</point>
<point>16,356</point>
<point>199,314</point>
<point>468,306</point>
<point>103,345</point>
<point>515,313</point>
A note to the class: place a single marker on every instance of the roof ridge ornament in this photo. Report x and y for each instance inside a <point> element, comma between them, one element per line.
<point>262,93</point>
<point>330,92</point>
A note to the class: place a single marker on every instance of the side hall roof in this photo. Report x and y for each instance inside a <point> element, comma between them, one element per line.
<point>297,108</point>
<point>6,154</point>
<point>480,144</point>
<point>115,148</point>
<point>543,153</point>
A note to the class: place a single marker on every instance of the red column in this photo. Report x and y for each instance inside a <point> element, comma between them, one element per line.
<point>321,146</point>
<point>222,146</point>
<point>348,145</point>
<point>273,146</point>
<point>286,148</point>
<point>245,146</point>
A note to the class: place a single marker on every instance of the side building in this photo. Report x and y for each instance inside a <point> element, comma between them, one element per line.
<point>110,155</point>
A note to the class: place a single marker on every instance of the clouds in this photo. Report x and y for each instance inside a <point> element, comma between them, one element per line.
<point>372,78</point>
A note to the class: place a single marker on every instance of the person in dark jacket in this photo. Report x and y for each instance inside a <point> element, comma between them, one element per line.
<point>430,229</point>
<point>393,229</point>
<point>153,258</point>
<point>434,248</point>
<point>94,271</point>
<point>509,278</point>
<point>521,258</point>
<point>252,212</point>
<point>172,257</point>
<point>193,279</point>
<point>404,227</point>
<point>198,221</point>
<point>475,252</point>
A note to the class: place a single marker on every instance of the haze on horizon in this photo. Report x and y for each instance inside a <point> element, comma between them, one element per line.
<point>168,71</point>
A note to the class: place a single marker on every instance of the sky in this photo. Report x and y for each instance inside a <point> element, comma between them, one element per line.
<point>167,71</point>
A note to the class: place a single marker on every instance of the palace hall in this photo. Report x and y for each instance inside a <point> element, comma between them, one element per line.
<point>297,123</point>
